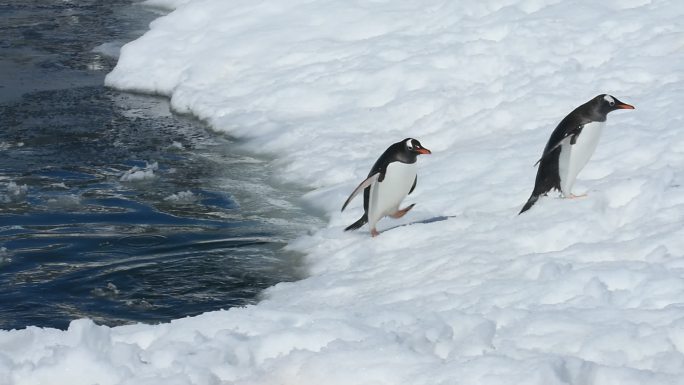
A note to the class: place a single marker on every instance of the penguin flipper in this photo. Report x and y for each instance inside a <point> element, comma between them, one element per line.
<point>547,153</point>
<point>572,133</point>
<point>414,185</point>
<point>366,183</point>
<point>362,221</point>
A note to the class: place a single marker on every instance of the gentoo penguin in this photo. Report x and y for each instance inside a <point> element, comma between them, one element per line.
<point>391,179</point>
<point>571,145</point>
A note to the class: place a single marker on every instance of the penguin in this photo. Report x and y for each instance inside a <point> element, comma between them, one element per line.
<point>570,146</point>
<point>391,179</point>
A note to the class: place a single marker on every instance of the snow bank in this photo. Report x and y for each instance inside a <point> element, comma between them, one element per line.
<point>589,291</point>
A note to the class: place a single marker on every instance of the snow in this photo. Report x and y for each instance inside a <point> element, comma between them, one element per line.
<point>461,290</point>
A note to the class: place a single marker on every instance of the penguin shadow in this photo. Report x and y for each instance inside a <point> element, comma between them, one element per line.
<point>438,218</point>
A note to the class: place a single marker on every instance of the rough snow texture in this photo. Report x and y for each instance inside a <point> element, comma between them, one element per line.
<point>585,292</point>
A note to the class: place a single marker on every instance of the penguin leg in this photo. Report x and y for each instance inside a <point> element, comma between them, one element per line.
<point>402,212</point>
<point>573,196</point>
<point>374,232</point>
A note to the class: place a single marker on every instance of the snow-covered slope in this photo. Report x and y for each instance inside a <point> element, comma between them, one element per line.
<point>461,290</point>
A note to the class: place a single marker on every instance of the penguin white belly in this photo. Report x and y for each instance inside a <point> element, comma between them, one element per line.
<point>574,157</point>
<point>386,196</point>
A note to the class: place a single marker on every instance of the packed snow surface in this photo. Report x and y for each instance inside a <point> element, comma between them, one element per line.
<point>461,290</point>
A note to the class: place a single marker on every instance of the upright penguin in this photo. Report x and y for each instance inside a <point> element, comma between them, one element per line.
<point>571,145</point>
<point>392,178</point>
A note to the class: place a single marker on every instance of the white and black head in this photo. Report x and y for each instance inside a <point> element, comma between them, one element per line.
<point>413,146</point>
<point>605,103</point>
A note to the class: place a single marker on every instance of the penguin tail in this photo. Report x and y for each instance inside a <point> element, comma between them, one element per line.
<point>530,202</point>
<point>362,221</point>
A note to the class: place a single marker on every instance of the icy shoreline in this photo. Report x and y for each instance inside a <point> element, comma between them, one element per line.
<point>574,292</point>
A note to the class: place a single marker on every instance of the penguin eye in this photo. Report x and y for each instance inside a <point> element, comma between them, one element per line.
<point>611,103</point>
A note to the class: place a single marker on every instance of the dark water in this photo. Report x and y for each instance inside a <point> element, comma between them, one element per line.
<point>111,207</point>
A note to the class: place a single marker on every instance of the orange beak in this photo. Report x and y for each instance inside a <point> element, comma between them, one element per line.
<point>625,106</point>
<point>424,151</point>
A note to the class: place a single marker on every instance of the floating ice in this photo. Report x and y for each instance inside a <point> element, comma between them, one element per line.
<point>111,49</point>
<point>137,174</point>
<point>64,202</point>
<point>4,256</point>
<point>13,193</point>
<point>182,197</point>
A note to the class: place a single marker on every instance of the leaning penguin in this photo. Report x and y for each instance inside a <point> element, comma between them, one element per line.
<point>392,178</point>
<point>570,146</point>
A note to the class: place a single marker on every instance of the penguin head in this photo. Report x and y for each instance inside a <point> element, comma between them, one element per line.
<point>607,103</point>
<point>413,146</point>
